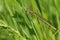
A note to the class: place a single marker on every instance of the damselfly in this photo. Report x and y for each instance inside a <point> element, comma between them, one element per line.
<point>41,18</point>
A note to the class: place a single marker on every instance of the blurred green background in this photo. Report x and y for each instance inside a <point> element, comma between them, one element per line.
<point>17,23</point>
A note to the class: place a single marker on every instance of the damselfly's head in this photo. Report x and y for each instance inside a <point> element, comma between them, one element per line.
<point>29,10</point>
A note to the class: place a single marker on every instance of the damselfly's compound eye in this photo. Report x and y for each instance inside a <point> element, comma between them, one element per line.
<point>29,11</point>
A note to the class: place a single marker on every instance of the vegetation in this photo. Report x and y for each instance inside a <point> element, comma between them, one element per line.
<point>29,20</point>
